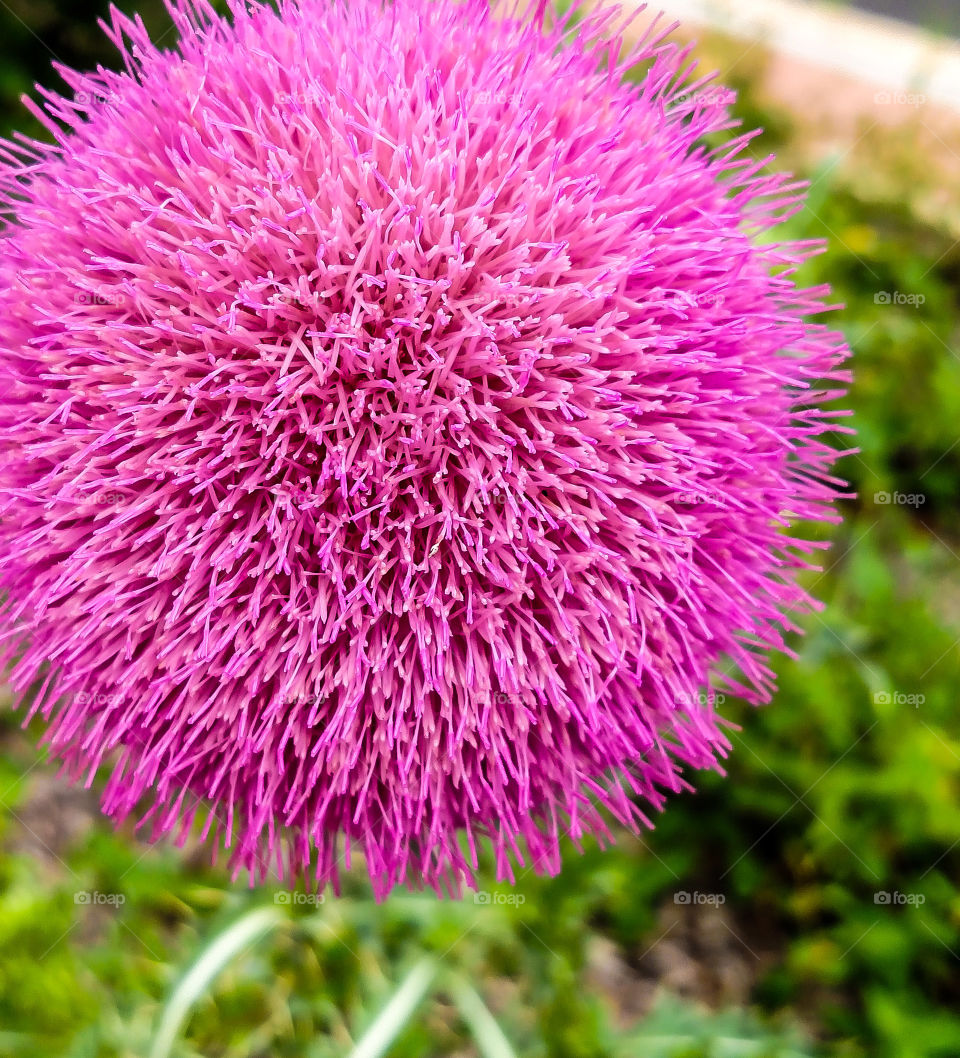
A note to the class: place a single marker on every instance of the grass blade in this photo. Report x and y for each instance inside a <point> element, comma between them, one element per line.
<point>214,957</point>
<point>484,1027</point>
<point>394,1016</point>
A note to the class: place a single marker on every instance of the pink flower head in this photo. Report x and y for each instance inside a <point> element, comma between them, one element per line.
<point>400,417</point>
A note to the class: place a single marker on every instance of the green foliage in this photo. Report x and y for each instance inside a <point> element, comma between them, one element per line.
<point>820,871</point>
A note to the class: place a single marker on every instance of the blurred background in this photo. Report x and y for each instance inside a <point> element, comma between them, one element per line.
<point>943,15</point>
<point>806,904</point>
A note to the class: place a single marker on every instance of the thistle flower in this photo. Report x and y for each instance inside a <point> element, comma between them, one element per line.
<point>401,414</point>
